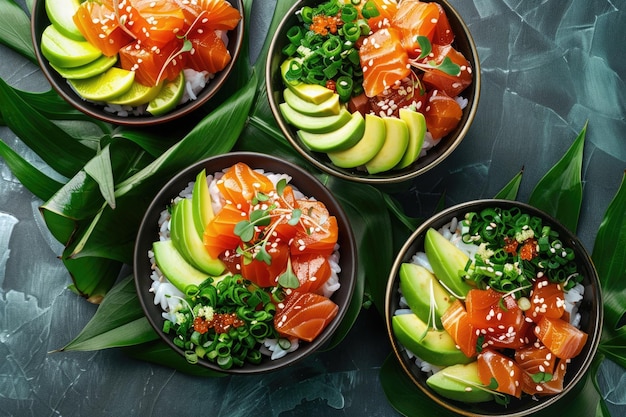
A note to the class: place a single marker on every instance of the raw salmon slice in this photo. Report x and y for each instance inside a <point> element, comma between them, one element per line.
<point>219,234</point>
<point>209,14</point>
<point>415,18</point>
<point>157,21</point>
<point>554,386</point>
<point>535,359</point>
<point>561,338</point>
<point>317,230</point>
<point>312,270</point>
<point>305,315</point>
<point>456,322</point>
<point>504,370</point>
<point>99,25</point>
<point>384,61</point>
<point>209,52</point>
<point>240,184</point>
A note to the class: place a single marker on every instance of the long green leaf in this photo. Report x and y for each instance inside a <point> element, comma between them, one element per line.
<point>92,277</point>
<point>374,231</point>
<point>609,258</point>
<point>36,181</point>
<point>15,29</point>
<point>560,191</point>
<point>119,321</point>
<point>52,106</point>
<point>100,170</point>
<point>613,345</point>
<point>215,134</point>
<point>64,154</point>
<point>510,190</point>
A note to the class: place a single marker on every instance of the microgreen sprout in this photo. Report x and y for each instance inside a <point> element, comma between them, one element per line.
<point>446,65</point>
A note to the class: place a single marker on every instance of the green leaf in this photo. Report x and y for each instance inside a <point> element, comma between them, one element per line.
<point>53,107</point>
<point>63,153</point>
<point>403,395</point>
<point>100,170</point>
<point>119,321</point>
<point>613,345</point>
<point>201,142</point>
<point>425,46</point>
<point>609,258</point>
<point>373,233</point>
<point>288,279</point>
<point>92,277</point>
<point>559,193</point>
<point>15,29</point>
<point>36,181</point>
<point>510,190</point>
<point>394,207</point>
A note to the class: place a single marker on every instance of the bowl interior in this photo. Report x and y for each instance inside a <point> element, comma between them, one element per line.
<point>40,21</point>
<point>148,233</point>
<point>590,309</point>
<point>463,43</point>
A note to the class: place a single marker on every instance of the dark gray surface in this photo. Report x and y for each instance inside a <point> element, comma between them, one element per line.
<point>547,67</point>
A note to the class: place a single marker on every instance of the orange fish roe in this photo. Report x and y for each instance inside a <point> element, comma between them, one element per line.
<point>529,249</point>
<point>510,245</point>
<point>221,323</point>
<point>322,24</point>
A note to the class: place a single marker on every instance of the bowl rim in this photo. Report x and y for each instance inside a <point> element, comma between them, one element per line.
<point>596,312</point>
<point>39,19</point>
<point>385,177</point>
<point>148,231</point>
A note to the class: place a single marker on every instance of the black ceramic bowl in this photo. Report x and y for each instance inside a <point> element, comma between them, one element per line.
<point>40,21</point>
<point>307,184</point>
<point>590,309</point>
<point>463,43</point>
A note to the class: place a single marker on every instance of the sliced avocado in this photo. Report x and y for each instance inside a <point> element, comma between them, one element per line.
<point>325,108</point>
<point>449,383</point>
<point>61,13</point>
<point>416,123</point>
<point>310,92</point>
<point>89,70</point>
<point>176,231</point>
<point>315,124</point>
<point>396,141</point>
<point>433,346</point>
<point>366,148</point>
<point>66,52</point>
<point>422,292</point>
<point>175,268</point>
<point>193,244</point>
<point>448,263</point>
<point>343,138</point>
<point>201,202</point>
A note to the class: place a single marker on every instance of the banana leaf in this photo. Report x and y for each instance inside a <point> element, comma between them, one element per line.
<point>15,29</point>
<point>510,190</point>
<point>53,107</point>
<point>560,191</point>
<point>36,181</point>
<point>118,321</point>
<point>53,146</point>
<point>610,260</point>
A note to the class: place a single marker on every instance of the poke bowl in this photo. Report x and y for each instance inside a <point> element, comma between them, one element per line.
<point>494,308</point>
<point>137,62</point>
<point>245,263</point>
<point>374,91</point>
